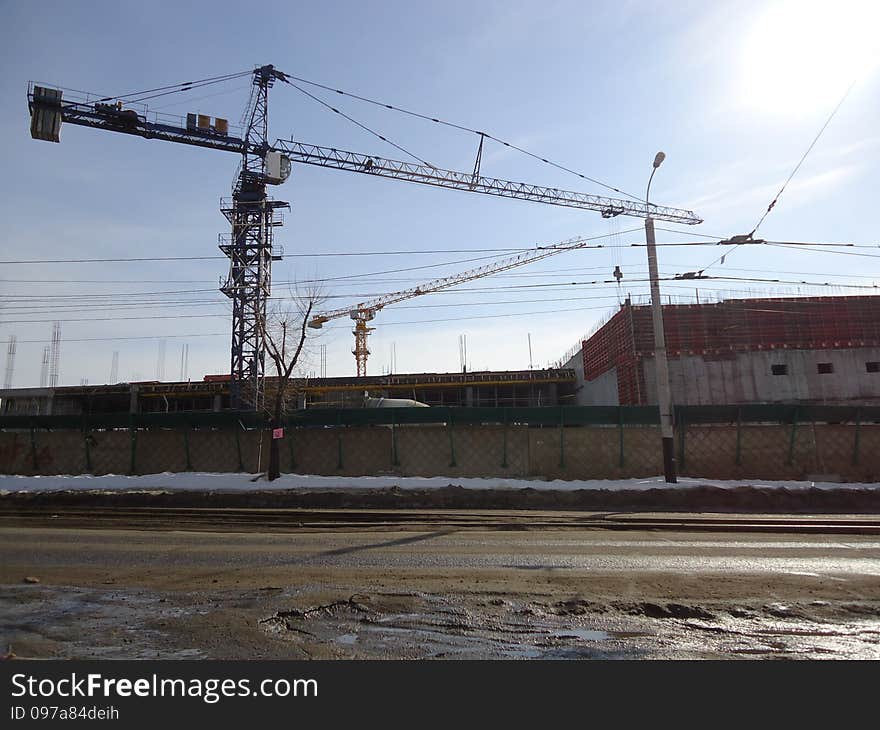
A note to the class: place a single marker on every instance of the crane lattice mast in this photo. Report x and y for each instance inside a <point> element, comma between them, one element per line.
<point>253,217</point>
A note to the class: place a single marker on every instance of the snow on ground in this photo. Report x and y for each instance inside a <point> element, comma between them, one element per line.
<point>198,481</point>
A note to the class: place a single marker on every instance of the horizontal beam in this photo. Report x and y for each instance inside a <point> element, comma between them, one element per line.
<point>86,116</point>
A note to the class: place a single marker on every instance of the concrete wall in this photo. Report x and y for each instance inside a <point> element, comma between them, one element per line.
<point>748,378</point>
<point>598,452</point>
<point>599,392</point>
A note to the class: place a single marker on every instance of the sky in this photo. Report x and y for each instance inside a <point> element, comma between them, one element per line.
<point>733,92</point>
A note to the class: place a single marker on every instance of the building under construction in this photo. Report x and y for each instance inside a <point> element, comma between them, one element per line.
<point>779,350</point>
<point>509,388</point>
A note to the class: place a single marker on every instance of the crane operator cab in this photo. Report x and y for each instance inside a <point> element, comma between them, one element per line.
<point>277,168</point>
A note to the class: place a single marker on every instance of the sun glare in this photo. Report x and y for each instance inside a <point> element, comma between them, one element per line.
<point>801,55</point>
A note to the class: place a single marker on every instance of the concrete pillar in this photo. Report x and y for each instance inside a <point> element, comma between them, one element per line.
<point>133,400</point>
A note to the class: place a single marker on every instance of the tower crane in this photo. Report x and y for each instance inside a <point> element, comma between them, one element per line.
<point>251,213</point>
<point>366,311</point>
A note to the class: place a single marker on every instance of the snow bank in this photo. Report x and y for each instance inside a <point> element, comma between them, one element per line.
<point>204,482</point>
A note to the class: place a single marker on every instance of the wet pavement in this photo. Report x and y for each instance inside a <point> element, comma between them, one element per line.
<point>438,593</point>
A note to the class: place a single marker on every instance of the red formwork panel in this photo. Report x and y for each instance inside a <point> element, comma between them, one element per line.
<point>611,343</point>
<point>719,330</point>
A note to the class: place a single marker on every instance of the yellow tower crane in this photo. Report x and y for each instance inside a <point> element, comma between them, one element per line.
<point>364,312</point>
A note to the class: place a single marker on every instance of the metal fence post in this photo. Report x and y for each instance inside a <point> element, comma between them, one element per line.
<point>449,425</point>
<point>682,432</point>
<point>34,450</point>
<point>857,437</point>
<point>339,441</point>
<point>561,438</point>
<point>622,461</point>
<point>739,436</point>
<point>238,445</point>
<point>504,442</point>
<point>132,433</point>
<point>290,433</point>
<point>395,461</point>
<point>86,445</point>
<point>794,424</point>
<point>186,447</point>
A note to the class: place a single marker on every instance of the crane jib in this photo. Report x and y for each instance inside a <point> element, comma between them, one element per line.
<point>374,165</point>
<point>48,111</point>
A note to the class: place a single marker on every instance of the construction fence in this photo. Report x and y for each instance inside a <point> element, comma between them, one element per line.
<point>599,442</point>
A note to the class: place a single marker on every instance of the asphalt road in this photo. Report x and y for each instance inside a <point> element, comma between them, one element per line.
<point>505,585</point>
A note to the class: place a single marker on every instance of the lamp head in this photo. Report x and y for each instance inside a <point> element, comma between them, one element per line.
<point>658,159</point>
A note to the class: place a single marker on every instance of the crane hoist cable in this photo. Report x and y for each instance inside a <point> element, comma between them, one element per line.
<point>362,126</point>
<point>174,88</point>
<point>461,127</point>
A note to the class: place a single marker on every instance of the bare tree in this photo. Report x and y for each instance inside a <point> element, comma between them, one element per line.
<point>284,333</point>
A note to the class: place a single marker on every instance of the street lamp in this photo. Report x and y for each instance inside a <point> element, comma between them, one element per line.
<point>664,399</point>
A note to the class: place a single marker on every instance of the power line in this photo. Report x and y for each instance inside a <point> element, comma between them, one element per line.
<point>790,247</point>
<point>801,161</point>
<point>550,273</point>
<point>546,287</point>
<point>141,337</point>
<point>115,319</point>
<point>788,179</point>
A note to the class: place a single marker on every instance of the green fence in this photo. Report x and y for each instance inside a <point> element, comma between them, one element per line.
<point>602,442</point>
<point>552,416</point>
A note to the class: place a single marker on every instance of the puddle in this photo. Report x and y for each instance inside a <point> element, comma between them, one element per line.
<point>440,628</point>
<point>583,634</point>
<point>436,627</point>
<point>76,623</point>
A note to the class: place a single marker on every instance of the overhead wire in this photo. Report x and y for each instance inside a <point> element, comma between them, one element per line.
<point>797,167</point>
<point>801,161</point>
<point>790,247</point>
<point>135,337</point>
<point>550,273</point>
<point>337,254</point>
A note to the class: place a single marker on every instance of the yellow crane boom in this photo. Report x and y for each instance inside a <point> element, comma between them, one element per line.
<point>364,312</point>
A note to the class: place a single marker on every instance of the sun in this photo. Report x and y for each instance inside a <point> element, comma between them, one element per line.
<point>801,55</point>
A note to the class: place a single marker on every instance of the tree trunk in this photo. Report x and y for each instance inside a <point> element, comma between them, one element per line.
<point>274,460</point>
<point>274,470</point>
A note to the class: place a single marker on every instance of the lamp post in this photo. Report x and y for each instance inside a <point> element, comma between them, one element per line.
<point>664,398</point>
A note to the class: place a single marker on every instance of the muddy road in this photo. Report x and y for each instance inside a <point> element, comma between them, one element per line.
<point>440,585</point>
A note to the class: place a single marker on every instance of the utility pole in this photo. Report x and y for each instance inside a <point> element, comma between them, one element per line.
<point>10,363</point>
<point>664,397</point>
